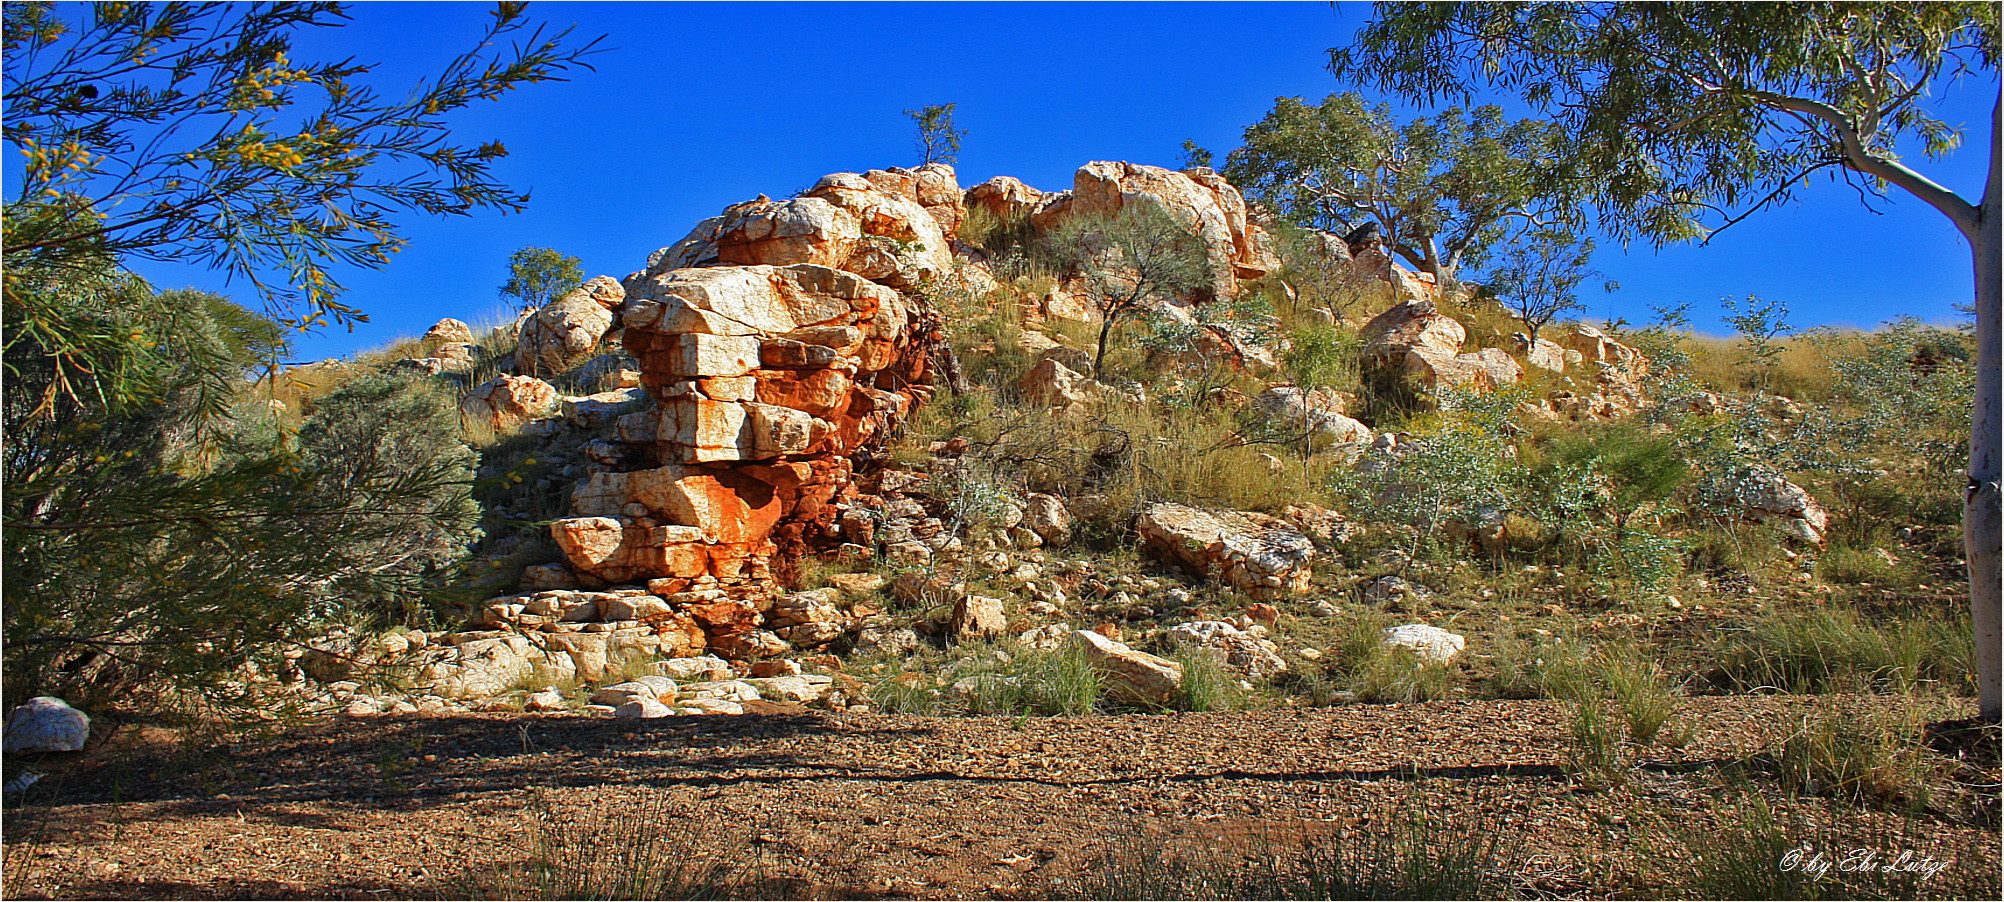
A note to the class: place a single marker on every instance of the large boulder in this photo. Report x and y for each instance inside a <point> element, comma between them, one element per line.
<point>933,187</point>
<point>1256,554</point>
<point>446,332</point>
<point>566,332</point>
<point>781,233</point>
<point>901,243</point>
<point>507,403</point>
<point>1053,384</point>
<point>1766,496</point>
<point>1594,346</point>
<point>1105,188</point>
<point>1319,411</point>
<point>1004,198</point>
<point>1411,327</point>
<point>1252,250</point>
<point>45,724</point>
<point>1134,677</point>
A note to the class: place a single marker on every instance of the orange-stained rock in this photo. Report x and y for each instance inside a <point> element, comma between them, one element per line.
<point>1409,326</point>
<point>777,346</point>
<point>725,616</point>
<point>822,393</point>
<point>506,403</point>
<point>1004,198</point>
<point>621,549</point>
<point>801,230</point>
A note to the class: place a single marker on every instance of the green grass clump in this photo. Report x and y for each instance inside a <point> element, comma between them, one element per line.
<point>1835,650</point>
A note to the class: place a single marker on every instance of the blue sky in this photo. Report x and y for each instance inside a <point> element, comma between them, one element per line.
<point>695,106</point>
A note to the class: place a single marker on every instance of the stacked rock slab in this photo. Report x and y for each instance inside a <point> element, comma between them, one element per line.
<point>778,349</point>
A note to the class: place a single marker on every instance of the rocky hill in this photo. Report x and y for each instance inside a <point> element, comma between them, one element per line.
<point>759,371</point>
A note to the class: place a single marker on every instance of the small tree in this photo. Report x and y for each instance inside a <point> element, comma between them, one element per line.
<point>938,141</point>
<point>1194,155</point>
<point>538,275</point>
<point>1442,189</point>
<point>1536,277</point>
<point>1129,262</point>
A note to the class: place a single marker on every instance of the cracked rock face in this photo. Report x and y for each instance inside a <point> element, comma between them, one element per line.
<point>773,368</point>
<point>1257,555</point>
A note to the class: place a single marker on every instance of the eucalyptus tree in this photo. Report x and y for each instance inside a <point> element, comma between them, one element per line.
<point>539,275</point>
<point>1442,189</point>
<point>1698,115</point>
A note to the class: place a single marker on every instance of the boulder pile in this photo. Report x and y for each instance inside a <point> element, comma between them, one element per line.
<point>779,348</point>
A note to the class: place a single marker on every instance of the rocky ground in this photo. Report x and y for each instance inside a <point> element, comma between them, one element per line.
<point>810,804</point>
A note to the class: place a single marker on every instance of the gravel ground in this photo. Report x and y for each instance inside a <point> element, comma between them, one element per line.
<point>886,806</point>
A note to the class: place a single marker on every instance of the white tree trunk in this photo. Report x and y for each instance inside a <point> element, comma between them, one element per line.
<point>1982,532</point>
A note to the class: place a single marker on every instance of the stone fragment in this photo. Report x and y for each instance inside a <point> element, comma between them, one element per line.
<point>978,617</point>
<point>1047,516</point>
<point>1429,643</point>
<point>1135,677</point>
<point>1257,555</point>
<point>45,724</point>
<point>642,709</point>
<point>545,700</point>
<point>1255,658</point>
<point>1766,496</point>
<point>702,669</point>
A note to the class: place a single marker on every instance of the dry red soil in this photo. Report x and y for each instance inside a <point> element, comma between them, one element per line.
<point>885,806</point>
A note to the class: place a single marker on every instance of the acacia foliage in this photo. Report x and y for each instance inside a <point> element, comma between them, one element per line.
<point>160,538</point>
<point>1128,262</point>
<point>1443,189</point>
<point>187,132</point>
<point>165,536</point>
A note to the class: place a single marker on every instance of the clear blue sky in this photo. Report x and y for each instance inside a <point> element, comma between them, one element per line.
<point>695,106</point>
